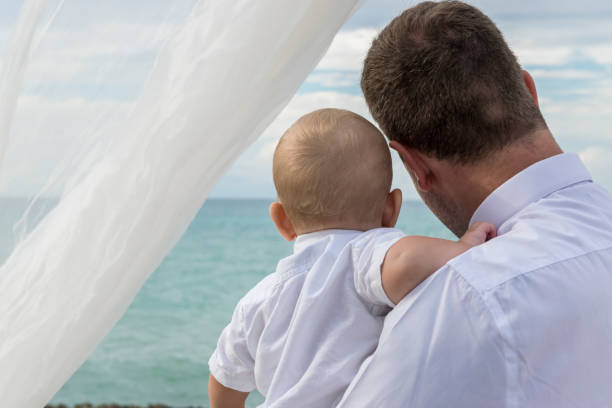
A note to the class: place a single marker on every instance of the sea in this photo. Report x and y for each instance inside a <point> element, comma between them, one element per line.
<point>158,351</point>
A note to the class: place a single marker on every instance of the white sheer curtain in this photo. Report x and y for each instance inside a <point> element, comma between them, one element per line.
<point>13,66</point>
<point>130,187</point>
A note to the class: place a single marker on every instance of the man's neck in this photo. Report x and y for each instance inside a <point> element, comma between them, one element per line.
<point>485,177</point>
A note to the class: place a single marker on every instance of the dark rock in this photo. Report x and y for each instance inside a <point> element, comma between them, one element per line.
<point>88,405</point>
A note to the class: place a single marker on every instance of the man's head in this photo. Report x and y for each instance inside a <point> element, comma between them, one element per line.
<point>332,169</point>
<point>441,81</point>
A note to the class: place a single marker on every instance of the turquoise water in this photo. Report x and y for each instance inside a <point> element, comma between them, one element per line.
<point>158,351</point>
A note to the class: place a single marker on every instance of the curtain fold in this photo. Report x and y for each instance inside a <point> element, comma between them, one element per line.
<point>216,84</point>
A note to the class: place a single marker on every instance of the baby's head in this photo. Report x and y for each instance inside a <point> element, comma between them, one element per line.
<point>332,170</point>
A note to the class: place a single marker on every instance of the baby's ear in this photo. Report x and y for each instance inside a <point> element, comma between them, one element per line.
<point>282,221</point>
<point>392,208</point>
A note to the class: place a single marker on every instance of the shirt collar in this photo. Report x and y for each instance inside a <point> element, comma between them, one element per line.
<point>305,240</point>
<point>533,183</point>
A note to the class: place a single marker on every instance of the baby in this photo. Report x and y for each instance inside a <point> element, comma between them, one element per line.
<point>301,334</point>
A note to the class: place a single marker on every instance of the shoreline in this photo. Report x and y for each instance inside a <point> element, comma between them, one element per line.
<point>113,405</point>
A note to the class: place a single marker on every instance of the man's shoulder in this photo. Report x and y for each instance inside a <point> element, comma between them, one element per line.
<point>553,232</point>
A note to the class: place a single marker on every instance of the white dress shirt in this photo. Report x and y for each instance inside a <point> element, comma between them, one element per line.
<point>301,334</point>
<point>524,320</point>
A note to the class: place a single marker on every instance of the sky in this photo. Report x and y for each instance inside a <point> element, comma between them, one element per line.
<point>91,63</point>
<point>567,47</point>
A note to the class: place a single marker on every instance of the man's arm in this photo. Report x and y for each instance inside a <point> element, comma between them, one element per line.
<point>412,259</point>
<point>440,347</point>
<point>222,397</point>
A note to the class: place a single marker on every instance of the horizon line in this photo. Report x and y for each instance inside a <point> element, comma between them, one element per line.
<point>25,197</point>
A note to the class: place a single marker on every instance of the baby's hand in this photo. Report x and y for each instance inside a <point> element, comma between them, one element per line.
<point>479,233</point>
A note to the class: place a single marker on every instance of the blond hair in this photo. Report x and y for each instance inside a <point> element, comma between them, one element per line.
<point>332,169</point>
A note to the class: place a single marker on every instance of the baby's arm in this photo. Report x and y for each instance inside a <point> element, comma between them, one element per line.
<point>232,365</point>
<point>222,397</point>
<point>412,259</point>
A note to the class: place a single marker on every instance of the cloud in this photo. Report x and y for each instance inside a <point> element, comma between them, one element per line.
<point>602,54</point>
<point>569,54</point>
<point>334,79</point>
<point>341,66</point>
<point>109,60</point>
<point>258,160</point>
<point>98,54</point>
<point>47,135</point>
<point>543,8</point>
<point>348,50</point>
<point>252,172</point>
<point>543,55</point>
<point>96,49</point>
<point>580,117</point>
<point>556,30</point>
<point>303,103</point>
<point>555,47</point>
<point>377,13</point>
<point>597,160</point>
<point>563,74</point>
<point>559,40</point>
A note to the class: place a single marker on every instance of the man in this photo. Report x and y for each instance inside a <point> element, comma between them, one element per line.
<point>524,320</point>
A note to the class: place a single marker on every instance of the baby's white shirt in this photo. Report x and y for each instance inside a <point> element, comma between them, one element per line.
<point>300,335</point>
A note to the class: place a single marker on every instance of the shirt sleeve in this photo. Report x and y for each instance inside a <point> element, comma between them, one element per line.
<point>232,363</point>
<point>440,347</point>
<point>369,252</point>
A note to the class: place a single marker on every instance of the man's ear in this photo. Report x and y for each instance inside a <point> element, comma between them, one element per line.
<point>530,83</point>
<point>392,208</point>
<point>414,163</point>
<point>282,221</point>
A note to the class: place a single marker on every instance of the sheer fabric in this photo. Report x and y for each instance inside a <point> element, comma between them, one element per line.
<point>113,203</point>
